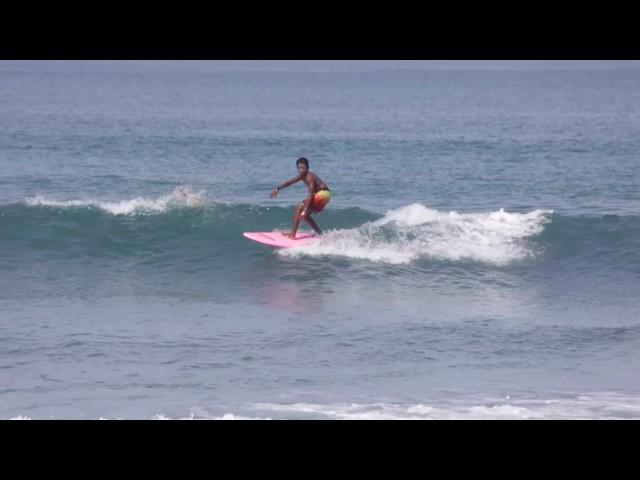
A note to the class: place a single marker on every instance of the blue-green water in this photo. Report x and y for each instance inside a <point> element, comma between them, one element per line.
<point>481,256</point>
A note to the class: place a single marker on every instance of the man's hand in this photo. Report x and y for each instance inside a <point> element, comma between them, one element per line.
<point>274,193</point>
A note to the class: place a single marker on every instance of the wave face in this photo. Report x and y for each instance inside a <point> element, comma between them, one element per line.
<point>403,235</point>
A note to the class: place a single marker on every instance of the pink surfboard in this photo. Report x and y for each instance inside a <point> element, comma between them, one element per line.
<point>278,240</point>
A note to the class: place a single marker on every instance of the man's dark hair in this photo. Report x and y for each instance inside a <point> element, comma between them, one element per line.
<point>302,160</point>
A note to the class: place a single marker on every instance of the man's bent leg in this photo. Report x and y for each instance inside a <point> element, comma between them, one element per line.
<point>313,223</point>
<point>297,215</point>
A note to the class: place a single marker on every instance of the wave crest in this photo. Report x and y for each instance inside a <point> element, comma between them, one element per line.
<point>182,197</point>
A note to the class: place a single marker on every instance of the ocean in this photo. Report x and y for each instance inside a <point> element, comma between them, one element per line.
<point>480,256</point>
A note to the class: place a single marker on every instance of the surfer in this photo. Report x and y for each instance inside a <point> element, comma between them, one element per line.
<point>318,197</point>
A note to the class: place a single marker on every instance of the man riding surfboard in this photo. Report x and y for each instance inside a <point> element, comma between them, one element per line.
<point>318,197</point>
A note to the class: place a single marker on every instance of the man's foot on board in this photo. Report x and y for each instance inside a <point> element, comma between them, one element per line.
<point>288,235</point>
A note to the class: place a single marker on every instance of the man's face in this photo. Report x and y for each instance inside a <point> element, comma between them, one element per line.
<point>302,168</point>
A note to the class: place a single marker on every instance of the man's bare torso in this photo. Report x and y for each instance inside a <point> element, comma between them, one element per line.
<point>314,182</point>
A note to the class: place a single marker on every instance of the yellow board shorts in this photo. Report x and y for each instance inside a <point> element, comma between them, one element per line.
<point>320,200</point>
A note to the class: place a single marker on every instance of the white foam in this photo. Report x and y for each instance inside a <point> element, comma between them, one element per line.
<point>593,406</point>
<point>415,231</point>
<point>598,406</point>
<point>203,415</point>
<point>183,196</point>
<point>231,416</point>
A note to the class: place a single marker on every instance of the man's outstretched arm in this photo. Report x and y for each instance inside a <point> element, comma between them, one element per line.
<point>275,191</point>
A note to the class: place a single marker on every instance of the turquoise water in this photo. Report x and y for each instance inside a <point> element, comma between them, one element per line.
<point>481,256</point>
